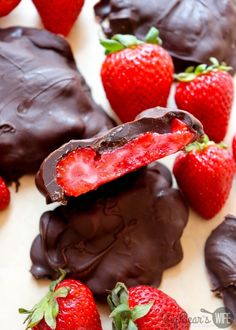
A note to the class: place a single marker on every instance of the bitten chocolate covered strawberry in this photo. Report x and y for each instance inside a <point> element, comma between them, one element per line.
<point>207,92</point>
<point>80,166</point>
<point>68,305</point>
<point>204,173</point>
<point>59,16</point>
<point>4,195</point>
<point>7,6</point>
<point>136,75</point>
<point>145,308</point>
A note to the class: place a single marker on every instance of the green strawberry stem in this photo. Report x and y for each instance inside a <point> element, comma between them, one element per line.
<point>202,143</point>
<point>192,72</point>
<point>48,307</point>
<point>152,37</point>
<point>123,317</point>
<point>121,41</point>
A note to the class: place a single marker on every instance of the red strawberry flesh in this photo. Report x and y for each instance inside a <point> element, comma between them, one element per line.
<point>234,147</point>
<point>4,195</point>
<point>83,169</point>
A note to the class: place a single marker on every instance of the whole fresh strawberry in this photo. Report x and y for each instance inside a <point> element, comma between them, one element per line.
<point>6,6</point>
<point>69,305</point>
<point>145,308</point>
<point>136,75</point>
<point>4,195</point>
<point>59,16</point>
<point>207,92</point>
<point>204,173</point>
<point>234,146</point>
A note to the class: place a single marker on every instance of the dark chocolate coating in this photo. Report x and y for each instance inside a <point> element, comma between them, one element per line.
<point>44,100</point>
<point>153,120</point>
<point>220,257</point>
<point>128,230</point>
<point>192,30</point>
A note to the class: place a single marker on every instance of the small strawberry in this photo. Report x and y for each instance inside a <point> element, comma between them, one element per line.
<point>59,16</point>
<point>68,305</point>
<point>136,75</point>
<point>234,146</point>
<point>207,92</point>
<point>145,308</point>
<point>4,195</point>
<point>6,6</point>
<point>204,173</point>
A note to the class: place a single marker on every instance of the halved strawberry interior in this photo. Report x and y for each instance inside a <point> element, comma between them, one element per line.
<point>83,169</point>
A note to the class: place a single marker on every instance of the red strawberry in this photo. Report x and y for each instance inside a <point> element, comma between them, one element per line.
<point>68,305</point>
<point>59,16</point>
<point>145,308</point>
<point>208,94</point>
<point>6,6</point>
<point>4,195</point>
<point>234,146</point>
<point>136,75</point>
<point>205,174</point>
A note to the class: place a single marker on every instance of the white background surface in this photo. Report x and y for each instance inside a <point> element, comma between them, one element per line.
<point>187,282</point>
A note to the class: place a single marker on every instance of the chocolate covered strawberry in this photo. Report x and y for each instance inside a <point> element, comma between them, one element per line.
<point>4,195</point>
<point>234,146</point>
<point>207,92</point>
<point>136,75</point>
<point>145,308</point>
<point>204,173</point>
<point>68,305</point>
<point>59,16</point>
<point>80,166</point>
<point>6,6</point>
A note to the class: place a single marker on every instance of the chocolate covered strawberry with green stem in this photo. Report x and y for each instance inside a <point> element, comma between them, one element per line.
<point>145,308</point>
<point>68,305</point>
<point>204,172</point>
<point>136,75</point>
<point>207,92</point>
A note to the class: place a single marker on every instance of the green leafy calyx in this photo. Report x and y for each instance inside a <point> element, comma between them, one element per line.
<point>192,72</point>
<point>124,317</point>
<point>121,41</point>
<point>48,307</point>
<point>202,143</point>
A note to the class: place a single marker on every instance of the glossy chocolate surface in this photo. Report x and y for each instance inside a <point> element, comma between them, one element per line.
<point>128,230</point>
<point>157,120</point>
<point>44,100</point>
<point>220,257</point>
<point>192,31</point>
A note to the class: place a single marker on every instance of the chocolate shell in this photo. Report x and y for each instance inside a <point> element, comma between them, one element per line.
<point>128,230</point>
<point>220,257</point>
<point>44,100</point>
<point>157,120</point>
<point>192,31</point>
